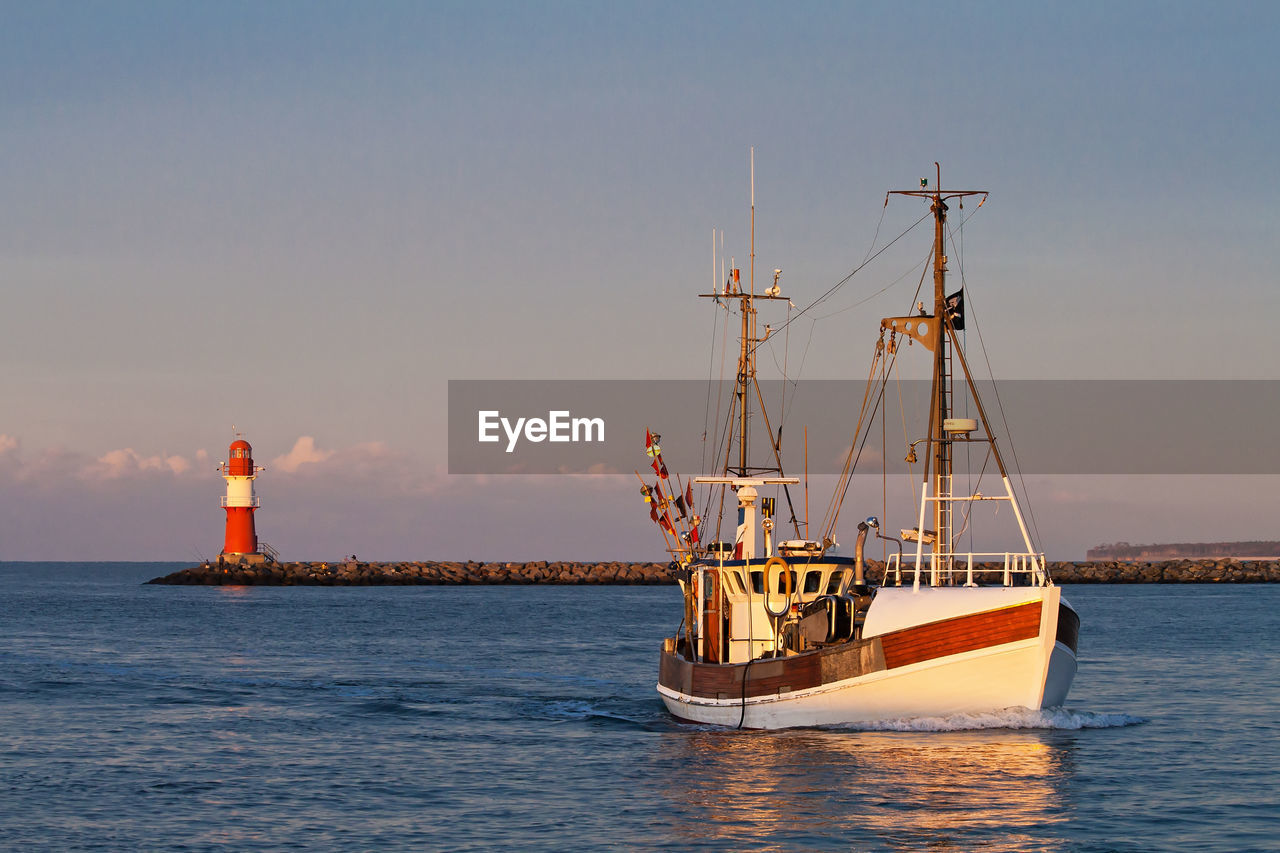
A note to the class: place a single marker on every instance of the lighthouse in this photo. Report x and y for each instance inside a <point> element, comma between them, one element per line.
<point>240,502</point>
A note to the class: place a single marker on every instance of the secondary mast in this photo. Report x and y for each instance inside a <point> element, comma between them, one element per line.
<point>743,478</point>
<point>748,341</point>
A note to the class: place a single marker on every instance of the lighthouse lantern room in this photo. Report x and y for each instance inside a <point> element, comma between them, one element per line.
<point>240,502</point>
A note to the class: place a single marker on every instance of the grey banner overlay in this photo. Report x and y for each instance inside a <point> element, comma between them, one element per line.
<point>1057,426</point>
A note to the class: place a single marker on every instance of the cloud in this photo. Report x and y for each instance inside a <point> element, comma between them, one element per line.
<point>50,466</point>
<point>370,464</point>
<point>127,462</point>
<point>304,452</point>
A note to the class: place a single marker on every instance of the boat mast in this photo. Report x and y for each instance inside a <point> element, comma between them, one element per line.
<point>940,333</point>
<point>941,380</point>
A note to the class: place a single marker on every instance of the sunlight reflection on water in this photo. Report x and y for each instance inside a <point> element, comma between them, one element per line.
<point>896,788</point>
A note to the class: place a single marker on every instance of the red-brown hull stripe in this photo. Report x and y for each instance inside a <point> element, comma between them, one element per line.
<point>961,634</point>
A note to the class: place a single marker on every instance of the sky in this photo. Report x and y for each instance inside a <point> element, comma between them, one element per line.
<point>303,219</point>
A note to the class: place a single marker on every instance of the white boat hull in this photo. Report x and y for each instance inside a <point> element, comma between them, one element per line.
<point>1035,672</point>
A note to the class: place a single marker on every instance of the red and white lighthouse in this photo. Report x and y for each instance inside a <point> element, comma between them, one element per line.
<point>240,502</point>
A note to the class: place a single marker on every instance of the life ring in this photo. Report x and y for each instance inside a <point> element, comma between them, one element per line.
<point>786,573</point>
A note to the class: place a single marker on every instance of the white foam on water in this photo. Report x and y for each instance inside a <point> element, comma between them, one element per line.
<point>1008,718</point>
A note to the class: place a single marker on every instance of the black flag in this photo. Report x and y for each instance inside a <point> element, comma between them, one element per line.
<point>955,310</point>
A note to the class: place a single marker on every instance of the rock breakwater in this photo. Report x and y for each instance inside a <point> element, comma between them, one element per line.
<point>353,573</point>
<point>419,573</point>
<point>1168,571</point>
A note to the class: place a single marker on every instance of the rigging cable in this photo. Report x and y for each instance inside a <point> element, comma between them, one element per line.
<point>848,477</point>
<point>865,260</point>
<point>1005,421</point>
<point>711,366</point>
<point>860,302</point>
<point>723,434</point>
<point>968,460</point>
<point>852,273</point>
<point>906,436</point>
<point>851,460</point>
<point>814,320</point>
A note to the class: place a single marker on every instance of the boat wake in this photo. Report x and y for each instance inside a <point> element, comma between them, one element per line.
<point>616,712</point>
<point>1009,718</point>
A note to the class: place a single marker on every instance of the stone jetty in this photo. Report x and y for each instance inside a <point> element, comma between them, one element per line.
<point>354,573</point>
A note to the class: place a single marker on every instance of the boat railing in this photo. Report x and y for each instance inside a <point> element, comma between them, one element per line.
<point>944,568</point>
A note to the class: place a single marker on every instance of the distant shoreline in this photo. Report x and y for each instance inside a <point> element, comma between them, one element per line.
<point>1252,550</point>
<point>355,573</point>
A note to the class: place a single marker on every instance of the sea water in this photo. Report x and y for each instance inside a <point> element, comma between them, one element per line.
<point>525,718</point>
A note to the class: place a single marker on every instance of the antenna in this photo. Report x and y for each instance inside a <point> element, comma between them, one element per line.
<point>751,273</point>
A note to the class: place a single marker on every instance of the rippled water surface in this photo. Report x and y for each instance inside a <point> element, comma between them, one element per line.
<point>480,718</point>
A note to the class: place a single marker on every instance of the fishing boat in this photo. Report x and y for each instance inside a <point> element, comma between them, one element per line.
<point>780,632</point>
